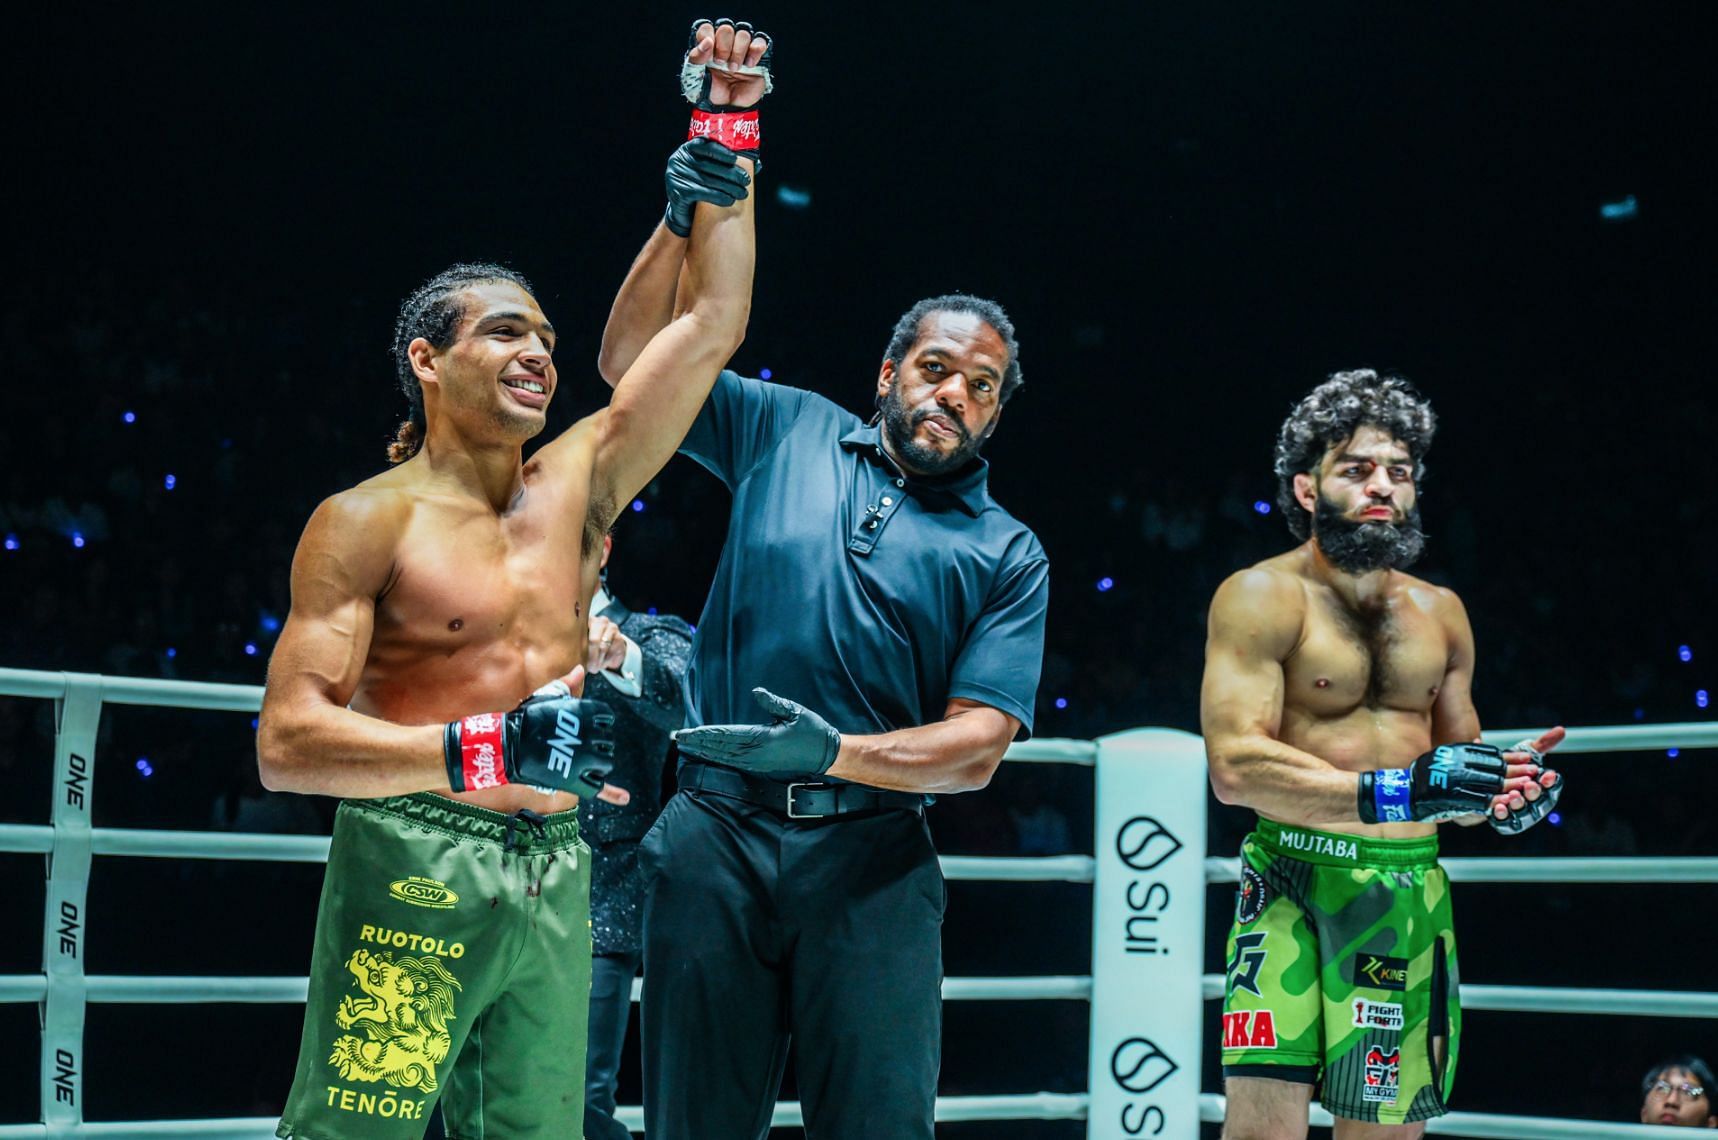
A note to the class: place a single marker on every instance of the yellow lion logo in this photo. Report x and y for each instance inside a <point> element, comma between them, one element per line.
<point>405,1017</point>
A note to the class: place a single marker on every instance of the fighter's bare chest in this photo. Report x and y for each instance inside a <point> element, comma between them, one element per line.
<point>1391,656</point>
<point>487,582</point>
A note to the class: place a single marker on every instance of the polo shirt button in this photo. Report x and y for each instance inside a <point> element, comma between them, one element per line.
<point>887,501</point>
<point>872,525</point>
<point>900,482</point>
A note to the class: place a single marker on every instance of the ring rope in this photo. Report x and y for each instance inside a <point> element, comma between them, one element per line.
<point>72,842</point>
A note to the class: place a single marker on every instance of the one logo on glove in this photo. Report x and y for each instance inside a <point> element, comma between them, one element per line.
<point>564,745</point>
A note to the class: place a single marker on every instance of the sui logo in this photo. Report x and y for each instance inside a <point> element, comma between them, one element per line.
<point>1145,844</point>
<point>1139,1066</point>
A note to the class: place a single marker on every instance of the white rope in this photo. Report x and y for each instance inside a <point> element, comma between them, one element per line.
<point>1617,737</point>
<point>1560,999</point>
<point>1040,869</point>
<point>949,1110</point>
<point>1052,750</point>
<point>1532,869</point>
<point>1487,1125</point>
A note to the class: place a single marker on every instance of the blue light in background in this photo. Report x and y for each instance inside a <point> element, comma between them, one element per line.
<point>171,653</point>
<point>1261,507</point>
<point>250,649</point>
<point>1105,585</point>
<point>77,540</point>
<point>1673,753</point>
<point>129,417</point>
<point>638,506</point>
<point>170,482</point>
<point>1701,699</point>
<point>11,542</point>
<point>792,196</point>
<point>1640,714</point>
<point>764,374</point>
<point>269,622</point>
<point>1683,653</point>
<point>144,767</point>
<point>651,611</point>
<point>1555,819</point>
<point>253,723</point>
<point>1621,210</point>
<point>1061,702</point>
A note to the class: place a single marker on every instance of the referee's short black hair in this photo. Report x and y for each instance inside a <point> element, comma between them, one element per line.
<point>907,332</point>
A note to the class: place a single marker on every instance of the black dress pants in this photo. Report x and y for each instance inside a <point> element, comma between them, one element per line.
<point>762,932</point>
<point>611,1006</point>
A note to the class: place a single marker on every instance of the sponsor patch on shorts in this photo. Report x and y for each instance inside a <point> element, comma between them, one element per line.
<point>1381,972</point>
<point>419,891</point>
<point>1250,900</point>
<point>1377,1014</point>
<point>1250,1029</point>
<point>1383,1074</point>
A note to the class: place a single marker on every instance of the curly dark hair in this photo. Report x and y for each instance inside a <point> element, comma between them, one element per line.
<point>1332,412</point>
<point>906,332</point>
<point>433,311</point>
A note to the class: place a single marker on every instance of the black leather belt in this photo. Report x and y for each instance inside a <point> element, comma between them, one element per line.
<point>805,799</point>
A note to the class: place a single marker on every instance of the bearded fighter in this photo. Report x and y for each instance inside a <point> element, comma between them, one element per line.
<point>1337,704</point>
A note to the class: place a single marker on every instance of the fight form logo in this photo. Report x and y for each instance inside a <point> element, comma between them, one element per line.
<point>1139,1066</point>
<point>1145,844</point>
<point>403,1013</point>
<point>1376,1014</point>
<point>1245,962</point>
<point>1251,899</point>
<point>419,891</point>
<point>1383,1074</point>
<point>1381,972</point>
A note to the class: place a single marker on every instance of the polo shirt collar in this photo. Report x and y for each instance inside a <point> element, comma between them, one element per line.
<point>968,487</point>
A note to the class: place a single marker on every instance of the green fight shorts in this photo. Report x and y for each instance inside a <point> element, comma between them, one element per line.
<point>1342,972</point>
<point>452,962</point>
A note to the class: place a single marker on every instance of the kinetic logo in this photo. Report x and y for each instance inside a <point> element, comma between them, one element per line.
<point>1139,1066</point>
<point>1145,844</point>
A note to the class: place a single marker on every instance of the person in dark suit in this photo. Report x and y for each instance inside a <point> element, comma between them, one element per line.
<point>637,663</point>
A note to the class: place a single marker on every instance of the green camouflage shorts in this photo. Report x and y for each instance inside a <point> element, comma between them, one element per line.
<point>1342,972</point>
<point>452,962</point>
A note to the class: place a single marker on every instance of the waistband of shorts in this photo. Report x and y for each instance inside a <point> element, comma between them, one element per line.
<point>1334,849</point>
<point>459,820</point>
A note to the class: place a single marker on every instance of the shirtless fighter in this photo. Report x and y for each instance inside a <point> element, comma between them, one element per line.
<point>1337,705</point>
<point>429,674</point>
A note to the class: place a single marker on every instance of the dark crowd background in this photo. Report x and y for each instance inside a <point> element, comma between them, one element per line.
<point>1193,213</point>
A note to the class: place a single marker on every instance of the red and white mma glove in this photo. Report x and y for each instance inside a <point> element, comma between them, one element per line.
<point>552,741</point>
<point>735,127</point>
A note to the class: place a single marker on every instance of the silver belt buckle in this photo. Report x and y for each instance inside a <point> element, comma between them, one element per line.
<point>792,814</point>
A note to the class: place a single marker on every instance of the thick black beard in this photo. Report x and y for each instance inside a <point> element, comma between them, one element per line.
<point>1362,547</point>
<point>899,424</point>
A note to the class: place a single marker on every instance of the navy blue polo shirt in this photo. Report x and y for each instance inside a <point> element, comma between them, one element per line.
<point>869,597</point>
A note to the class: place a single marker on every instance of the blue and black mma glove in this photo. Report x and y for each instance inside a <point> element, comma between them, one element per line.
<point>1450,780</point>
<point>552,741</point>
<point>1531,811</point>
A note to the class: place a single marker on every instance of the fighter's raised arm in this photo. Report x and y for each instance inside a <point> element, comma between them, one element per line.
<point>703,170</point>
<point>659,395</point>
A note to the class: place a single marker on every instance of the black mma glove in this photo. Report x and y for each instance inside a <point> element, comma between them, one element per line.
<point>702,170</point>
<point>1450,780</point>
<point>1531,811</point>
<point>796,742</point>
<point>553,741</point>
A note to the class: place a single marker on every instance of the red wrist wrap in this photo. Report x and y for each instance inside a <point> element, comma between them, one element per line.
<point>736,130</point>
<point>480,751</point>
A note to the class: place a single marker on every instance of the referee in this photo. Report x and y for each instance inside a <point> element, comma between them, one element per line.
<point>885,618</point>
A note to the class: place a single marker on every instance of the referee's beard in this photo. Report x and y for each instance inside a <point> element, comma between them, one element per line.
<point>901,424</point>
